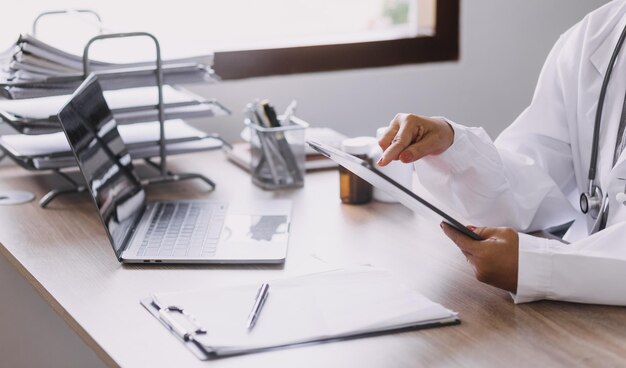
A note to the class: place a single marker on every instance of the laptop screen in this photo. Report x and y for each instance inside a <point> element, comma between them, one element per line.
<point>103,160</point>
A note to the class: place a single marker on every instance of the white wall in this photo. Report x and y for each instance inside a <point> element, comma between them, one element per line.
<point>504,43</point>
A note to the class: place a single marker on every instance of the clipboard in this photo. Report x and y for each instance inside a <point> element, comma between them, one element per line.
<point>319,308</point>
<point>162,315</point>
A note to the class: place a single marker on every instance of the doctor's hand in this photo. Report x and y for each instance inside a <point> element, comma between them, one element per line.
<point>410,137</point>
<point>495,259</point>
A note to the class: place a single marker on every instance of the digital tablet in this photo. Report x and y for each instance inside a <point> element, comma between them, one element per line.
<point>369,173</point>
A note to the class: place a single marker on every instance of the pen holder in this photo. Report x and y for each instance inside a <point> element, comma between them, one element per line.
<point>278,154</point>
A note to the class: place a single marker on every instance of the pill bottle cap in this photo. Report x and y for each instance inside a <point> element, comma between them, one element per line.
<point>380,132</point>
<point>358,145</point>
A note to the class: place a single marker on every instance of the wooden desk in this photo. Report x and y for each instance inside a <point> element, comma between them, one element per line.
<point>63,252</point>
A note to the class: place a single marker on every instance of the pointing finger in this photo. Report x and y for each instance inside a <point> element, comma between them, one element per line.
<point>392,130</point>
<point>405,136</point>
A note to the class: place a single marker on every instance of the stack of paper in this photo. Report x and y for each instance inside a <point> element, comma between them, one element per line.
<point>320,307</point>
<point>38,115</point>
<point>32,68</point>
<point>51,151</point>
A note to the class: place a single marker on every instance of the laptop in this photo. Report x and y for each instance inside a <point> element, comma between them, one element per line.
<point>167,231</point>
<point>408,198</point>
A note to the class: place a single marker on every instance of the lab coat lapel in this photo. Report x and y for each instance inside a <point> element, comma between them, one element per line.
<point>601,57</point>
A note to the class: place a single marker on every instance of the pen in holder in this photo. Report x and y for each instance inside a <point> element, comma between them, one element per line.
<point>277,148</point>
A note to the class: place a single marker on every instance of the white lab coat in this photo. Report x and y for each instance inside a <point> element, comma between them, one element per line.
<point>533,174</point>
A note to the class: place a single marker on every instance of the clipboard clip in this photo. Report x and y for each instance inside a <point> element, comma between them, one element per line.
<point>166,315</point>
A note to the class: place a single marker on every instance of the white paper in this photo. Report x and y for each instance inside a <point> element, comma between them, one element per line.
<point>307,308</point>
<point>45,144</point>
<point>46,107</point>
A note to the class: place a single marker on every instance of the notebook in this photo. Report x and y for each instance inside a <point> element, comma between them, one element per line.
<point>332,305</point>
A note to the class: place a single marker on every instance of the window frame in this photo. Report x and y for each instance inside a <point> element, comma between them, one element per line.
<point>442,46</point>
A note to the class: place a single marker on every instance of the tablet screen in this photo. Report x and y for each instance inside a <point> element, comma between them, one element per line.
<point>408,198</point>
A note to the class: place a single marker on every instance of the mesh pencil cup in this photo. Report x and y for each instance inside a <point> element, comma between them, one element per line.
<point>278,154</point>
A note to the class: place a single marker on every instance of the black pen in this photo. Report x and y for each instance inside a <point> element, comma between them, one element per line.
<point>259,302</point>
<point>270,113</point>
<point>283,144</point>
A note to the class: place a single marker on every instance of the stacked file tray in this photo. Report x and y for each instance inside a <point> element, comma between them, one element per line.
<point>52,152</point>
<point>38,115</point>
<point>37,79</point>
<point>32,68</point>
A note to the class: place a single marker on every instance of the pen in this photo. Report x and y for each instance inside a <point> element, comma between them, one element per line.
<point>259,111</point>
<point>281,140</point>
<point>255,118</point>
<point>259,302</point>
<point>270,113</point>
<point>269,156</point>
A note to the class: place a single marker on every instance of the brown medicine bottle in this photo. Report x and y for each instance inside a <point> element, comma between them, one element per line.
<point>353,189</point>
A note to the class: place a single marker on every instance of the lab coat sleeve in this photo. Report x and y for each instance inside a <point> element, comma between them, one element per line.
<point>495,186</point>
<point>588,271</point>
<point>520,180</point>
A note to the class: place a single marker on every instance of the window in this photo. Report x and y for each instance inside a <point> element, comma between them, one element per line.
<point>256,38</point>
<point>354,34</point>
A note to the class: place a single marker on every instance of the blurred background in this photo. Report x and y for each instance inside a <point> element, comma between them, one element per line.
<point>502,47</point>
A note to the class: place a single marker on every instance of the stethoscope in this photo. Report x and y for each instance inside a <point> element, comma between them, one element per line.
<point>593,202</point>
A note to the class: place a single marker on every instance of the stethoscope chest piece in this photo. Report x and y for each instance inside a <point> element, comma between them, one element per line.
<point>591,202</point>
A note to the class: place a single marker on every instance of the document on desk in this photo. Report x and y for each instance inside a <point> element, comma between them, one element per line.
<point>326,306</point>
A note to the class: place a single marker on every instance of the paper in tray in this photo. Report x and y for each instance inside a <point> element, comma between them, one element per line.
<point>51,151</point>
<point>38,115</point>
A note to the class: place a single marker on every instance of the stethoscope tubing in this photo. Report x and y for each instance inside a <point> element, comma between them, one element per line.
<point>594,195</point>
<point>600,109</point>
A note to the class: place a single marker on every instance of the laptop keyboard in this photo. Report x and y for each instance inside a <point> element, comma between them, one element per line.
<point>183,230</point>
